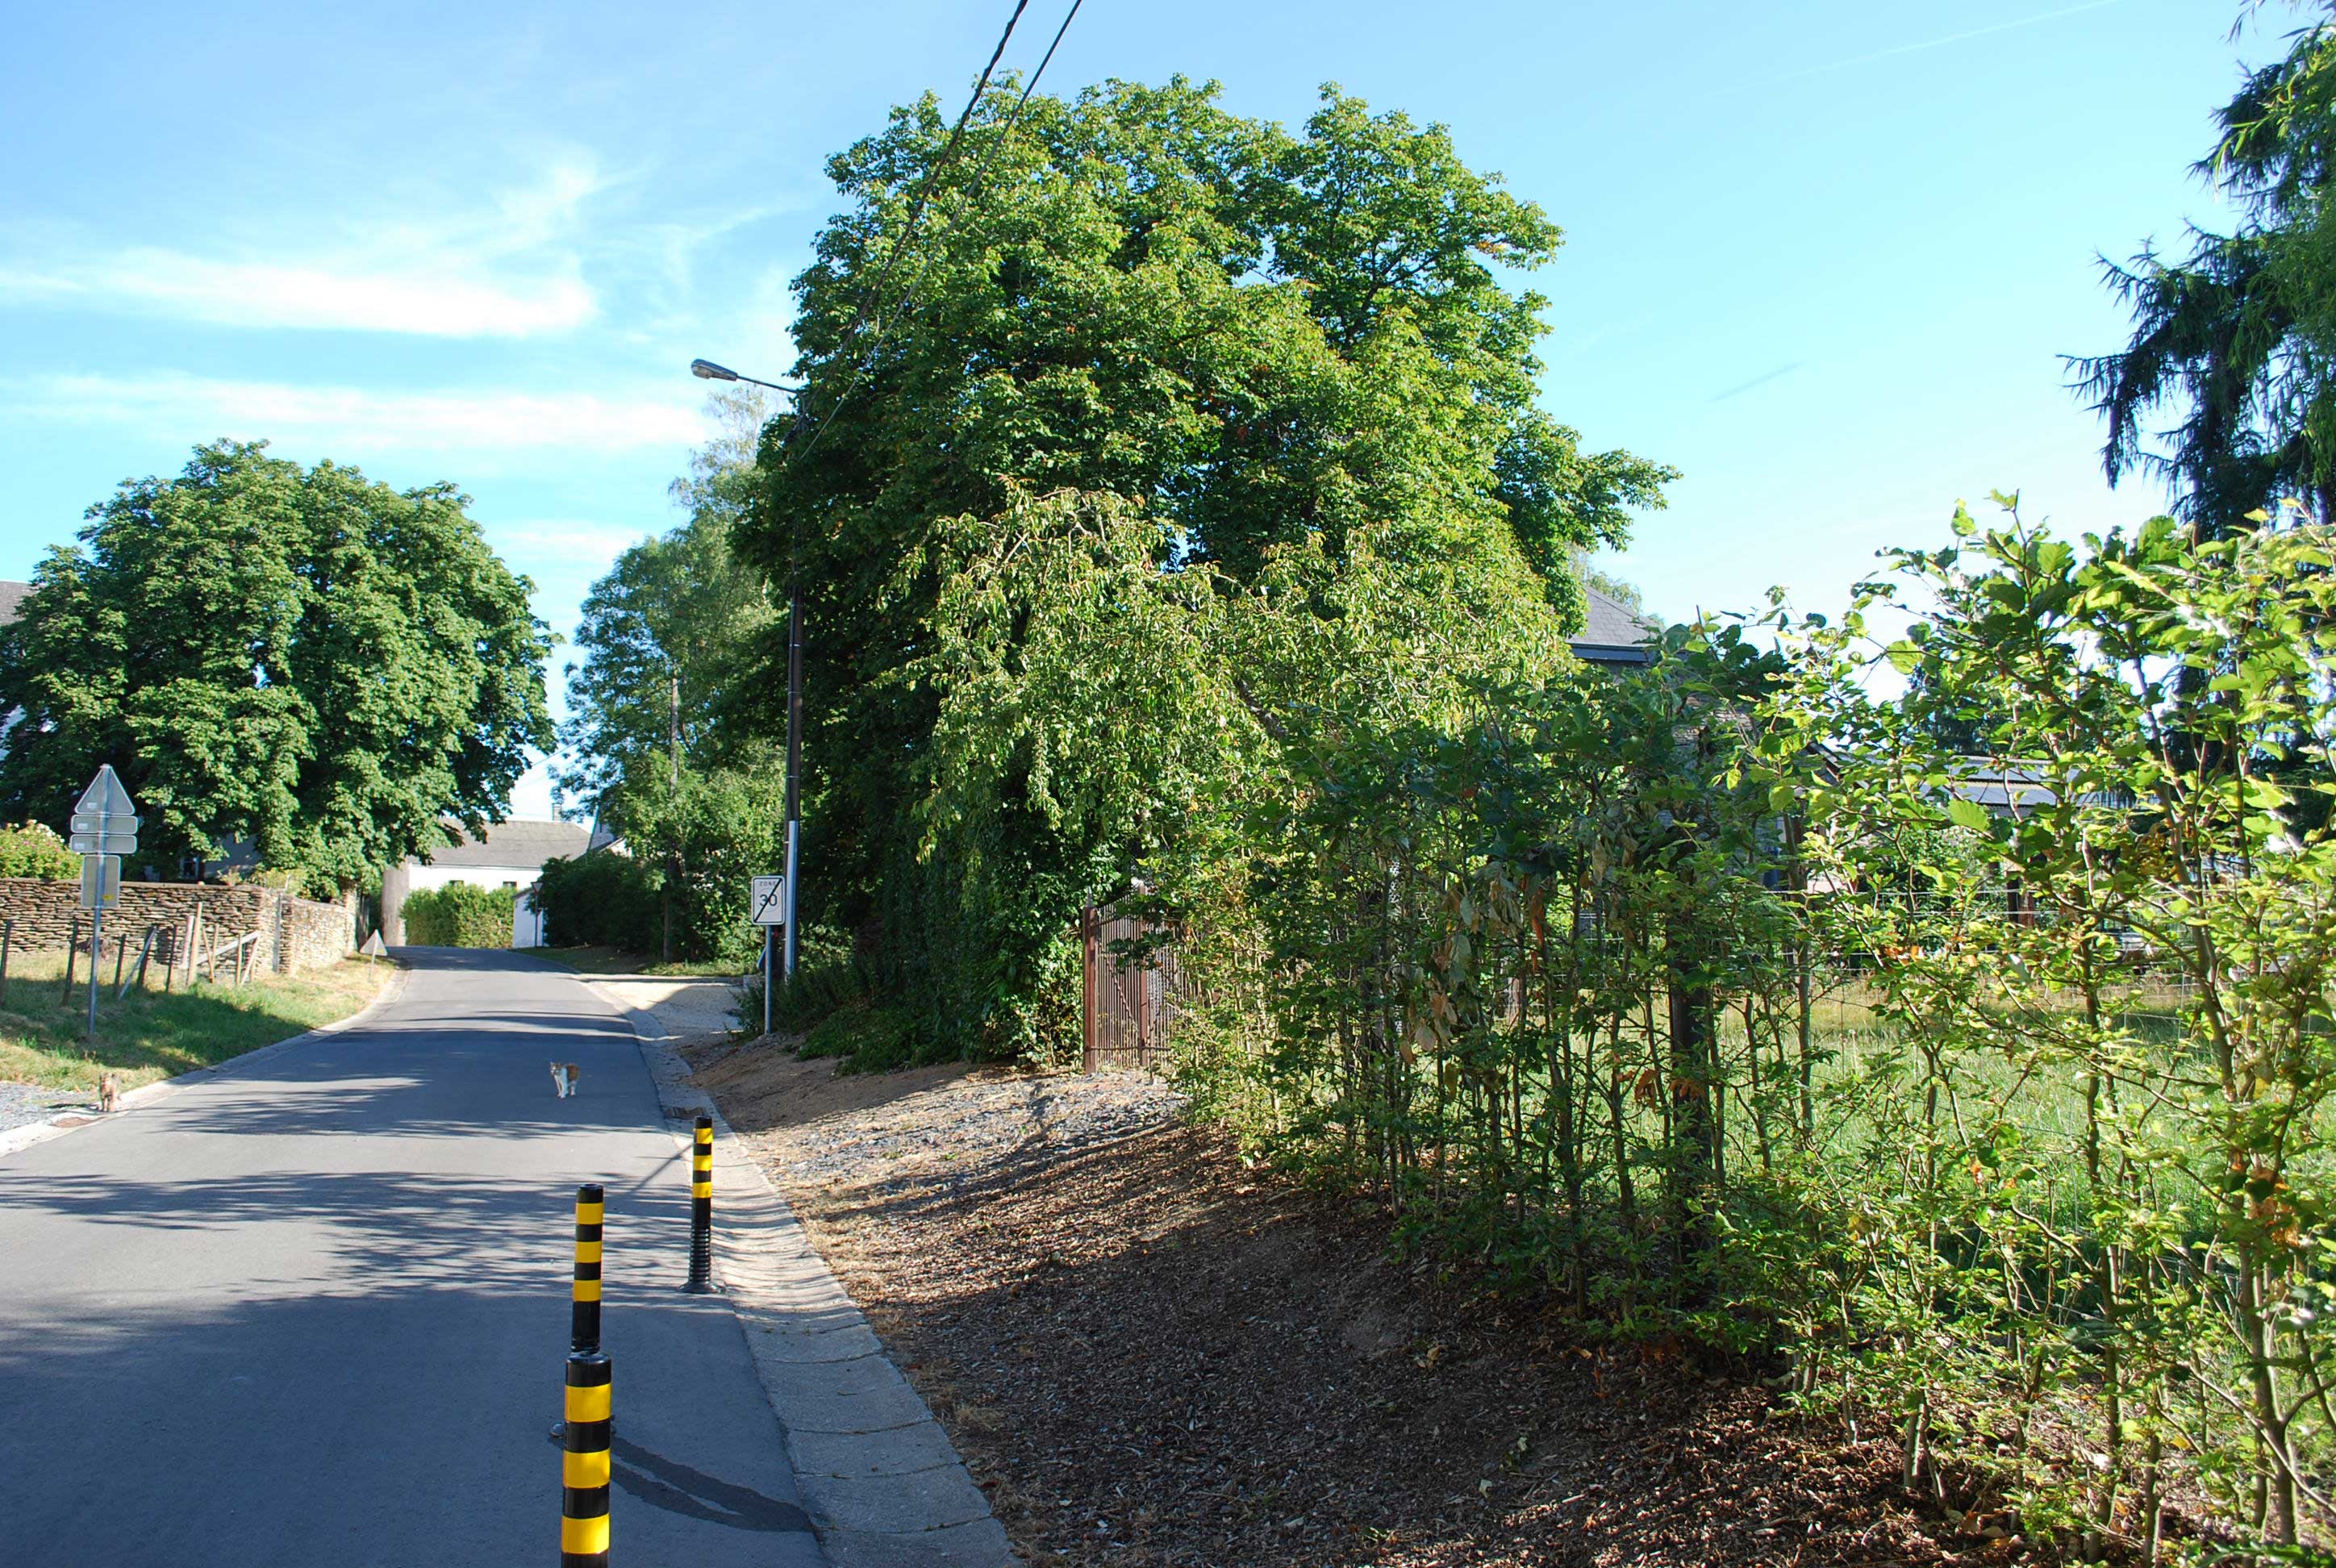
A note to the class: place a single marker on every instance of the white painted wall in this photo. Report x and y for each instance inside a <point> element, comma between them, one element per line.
<point>527,925</point>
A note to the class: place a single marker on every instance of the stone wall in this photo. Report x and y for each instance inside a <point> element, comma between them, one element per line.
<point>295,934</point>
<point>310,935</point>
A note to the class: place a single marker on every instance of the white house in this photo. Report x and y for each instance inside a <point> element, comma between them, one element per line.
<point>509,854</point>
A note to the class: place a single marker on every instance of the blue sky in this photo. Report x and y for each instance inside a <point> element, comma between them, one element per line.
<point>1821,257</point>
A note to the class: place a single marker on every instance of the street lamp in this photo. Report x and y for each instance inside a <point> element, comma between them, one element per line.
<point>706,370</point>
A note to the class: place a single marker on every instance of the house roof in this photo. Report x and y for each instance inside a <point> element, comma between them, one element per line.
<point>1611,631</point>
<point>12,594</point>
<point>517,842</point>
<point>2008,787</point>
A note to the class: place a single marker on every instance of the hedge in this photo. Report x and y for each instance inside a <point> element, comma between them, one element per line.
<point>460,915</point>
<point>600,900</point>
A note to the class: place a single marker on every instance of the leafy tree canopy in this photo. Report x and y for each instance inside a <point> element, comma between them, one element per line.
<point>2236,339</point>
<point>676,617</point>
<point>1232,342</point>
<point>301,659</point>
<point>1263,335</point>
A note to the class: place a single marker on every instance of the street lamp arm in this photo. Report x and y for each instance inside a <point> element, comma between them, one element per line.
<point>706,370</point>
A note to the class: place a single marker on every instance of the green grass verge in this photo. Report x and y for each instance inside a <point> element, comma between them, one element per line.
<point>615,961</point>
<point>152,1034</point>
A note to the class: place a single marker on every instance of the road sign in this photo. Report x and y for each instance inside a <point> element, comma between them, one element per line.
<point>105,821</point>
<point>768,902</point>
<point>101,881</point>
<point>105,796</point>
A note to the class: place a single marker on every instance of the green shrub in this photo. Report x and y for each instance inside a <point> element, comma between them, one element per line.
<point>598,899</point>
<point>699,842</point>
<point>460,915</point>
<point>821,986</point>
<point>31,850</point>
<point>287,879</point>
<point>870,1039</point>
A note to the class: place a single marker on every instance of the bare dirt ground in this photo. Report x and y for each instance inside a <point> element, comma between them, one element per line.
<point>1149,1354</point>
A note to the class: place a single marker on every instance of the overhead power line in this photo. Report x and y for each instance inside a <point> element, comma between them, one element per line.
<point>875,295</point>
<point>932,175</point>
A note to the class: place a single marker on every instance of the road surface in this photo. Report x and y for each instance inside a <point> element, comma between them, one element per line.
<point>312,1310</point>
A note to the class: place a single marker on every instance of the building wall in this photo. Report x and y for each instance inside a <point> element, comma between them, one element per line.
<point>295,934</point>
<point>400,883</point>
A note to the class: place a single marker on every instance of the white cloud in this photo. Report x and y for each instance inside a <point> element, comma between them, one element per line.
<point>509,268</point>
<point>591,546</point>
<point>426,297</point>
<point>354,422</point>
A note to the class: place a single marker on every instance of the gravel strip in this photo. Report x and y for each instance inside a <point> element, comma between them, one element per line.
<point>22,1105</point>
<point>978,1123</point>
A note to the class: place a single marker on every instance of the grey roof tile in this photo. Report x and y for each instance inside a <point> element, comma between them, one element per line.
<point>517,842</point>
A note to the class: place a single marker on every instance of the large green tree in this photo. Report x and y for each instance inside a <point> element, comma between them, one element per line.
<point>306,660</point>
<point>667,634</point>
<point>1240,340</point>
<point>2233,342</point>
<point>667,638</point>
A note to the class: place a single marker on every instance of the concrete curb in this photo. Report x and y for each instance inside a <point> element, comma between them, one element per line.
<point>883,1483</point>
<point>41,1132</point>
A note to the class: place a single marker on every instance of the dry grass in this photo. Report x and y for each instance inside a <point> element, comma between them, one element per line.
<point>153,1034</point>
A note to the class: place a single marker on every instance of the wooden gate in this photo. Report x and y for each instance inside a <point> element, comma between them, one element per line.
<point>1130,996</point>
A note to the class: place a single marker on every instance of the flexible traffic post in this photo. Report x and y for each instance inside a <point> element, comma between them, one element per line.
<point>584,1434</point>
<point>701,1208</point>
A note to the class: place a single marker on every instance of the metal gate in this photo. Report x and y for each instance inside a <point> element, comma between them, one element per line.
<point>1131,998</point>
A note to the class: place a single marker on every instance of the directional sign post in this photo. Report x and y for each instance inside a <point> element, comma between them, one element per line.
<point>104,829</point>
<point>768,905</point>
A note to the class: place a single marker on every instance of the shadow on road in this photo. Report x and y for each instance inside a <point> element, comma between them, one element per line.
<point>679,1488</point>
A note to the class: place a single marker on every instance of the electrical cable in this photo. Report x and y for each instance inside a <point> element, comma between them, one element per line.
<point>933,175</point>
<point>916,211</point>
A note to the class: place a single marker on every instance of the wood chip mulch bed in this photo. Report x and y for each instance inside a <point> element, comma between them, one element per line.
<point>1151,1354</point>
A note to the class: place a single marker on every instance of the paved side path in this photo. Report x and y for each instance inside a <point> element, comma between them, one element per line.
<point>312,1310</point>
<point>879,1474</point>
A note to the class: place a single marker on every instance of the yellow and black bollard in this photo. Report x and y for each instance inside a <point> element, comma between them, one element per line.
<point>584,1435</point>
<point>701,1208</point>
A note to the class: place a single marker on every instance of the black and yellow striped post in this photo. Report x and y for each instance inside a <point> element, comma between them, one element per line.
<point>701,1208</point>
<point>584,1435</point>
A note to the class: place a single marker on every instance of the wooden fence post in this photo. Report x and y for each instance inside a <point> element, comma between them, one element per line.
<point>72,951</point>
<point>138,976</point>
<point>7,935</point>
<point>1090,923</point>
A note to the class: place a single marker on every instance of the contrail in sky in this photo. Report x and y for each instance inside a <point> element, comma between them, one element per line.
<point>1937,42</point>
<point>1759,380</point>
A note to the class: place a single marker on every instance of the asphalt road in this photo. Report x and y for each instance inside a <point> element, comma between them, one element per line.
<point>313,1311</point>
